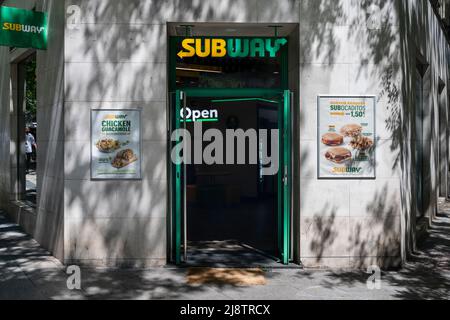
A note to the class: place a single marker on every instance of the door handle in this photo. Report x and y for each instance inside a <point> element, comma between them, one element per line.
<point>285,176</point>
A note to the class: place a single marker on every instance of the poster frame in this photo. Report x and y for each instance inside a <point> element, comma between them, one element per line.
<point>347,96</point>
<point>92,111</point>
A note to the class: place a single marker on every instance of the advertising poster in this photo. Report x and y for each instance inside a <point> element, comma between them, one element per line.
<point>346,137</point>
<point>115,144</point>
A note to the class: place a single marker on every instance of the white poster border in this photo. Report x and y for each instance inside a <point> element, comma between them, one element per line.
<point>139,111</point>
<point>347,96</point>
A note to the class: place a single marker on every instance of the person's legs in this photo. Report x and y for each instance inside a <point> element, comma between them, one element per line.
<point>28,162</point>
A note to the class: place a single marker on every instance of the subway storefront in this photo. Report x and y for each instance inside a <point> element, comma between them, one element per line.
<point>223,133</point>
<point>231,204</point>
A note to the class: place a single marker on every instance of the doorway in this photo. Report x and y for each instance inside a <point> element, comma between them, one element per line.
<point>231,77</point>
<point>27,69</point>
<point>235,209</point>
<point>24,128</point>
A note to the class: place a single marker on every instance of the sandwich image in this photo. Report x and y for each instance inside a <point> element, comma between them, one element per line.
<point>107,145</point>
<point>124,158</point>
<point>338,154</point>
<point>332,139</point>
<point>351,130</point>
<point>361,143</point>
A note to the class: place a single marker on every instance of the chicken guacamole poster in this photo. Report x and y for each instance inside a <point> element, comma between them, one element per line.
<point>346,137</point>
<point>115,144</point>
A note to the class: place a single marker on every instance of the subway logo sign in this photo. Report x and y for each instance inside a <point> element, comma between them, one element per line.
<point>23,28</point>
<point>233,47</point>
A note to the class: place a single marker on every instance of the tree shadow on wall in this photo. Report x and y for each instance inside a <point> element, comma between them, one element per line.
<point>323,231</point>
<point>124,65</point>
<point>118,68</point>
<point>379,36</point>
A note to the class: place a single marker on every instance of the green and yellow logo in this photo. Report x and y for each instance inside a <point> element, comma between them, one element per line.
<point>234,47</point>
<point>9,26</point>
<point>342,170</point>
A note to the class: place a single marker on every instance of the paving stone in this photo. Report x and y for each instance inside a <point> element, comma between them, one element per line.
<point>27,271</point>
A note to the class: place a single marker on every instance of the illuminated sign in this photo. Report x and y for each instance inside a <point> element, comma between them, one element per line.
<point>234,47</point>
<point>23,28</point>
<point>190,115</point>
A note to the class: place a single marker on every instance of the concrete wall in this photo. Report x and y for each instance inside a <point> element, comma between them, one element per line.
<point>371,47</point>
<point>50,155</point>
<point>350,47</point>
<point>115,57</point>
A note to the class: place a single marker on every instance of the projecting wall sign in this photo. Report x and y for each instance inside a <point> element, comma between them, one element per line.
<point>23,28</point>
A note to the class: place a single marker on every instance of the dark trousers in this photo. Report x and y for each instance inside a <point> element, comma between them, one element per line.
<point>28,161</point>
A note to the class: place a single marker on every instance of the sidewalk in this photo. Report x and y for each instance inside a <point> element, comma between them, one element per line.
<point>29,272</point>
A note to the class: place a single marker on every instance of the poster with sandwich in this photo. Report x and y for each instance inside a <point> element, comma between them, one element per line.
<point>346,137</point>
<point>115,144</point>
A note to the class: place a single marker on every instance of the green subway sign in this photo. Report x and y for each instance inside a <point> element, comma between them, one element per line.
<point>23,28</point>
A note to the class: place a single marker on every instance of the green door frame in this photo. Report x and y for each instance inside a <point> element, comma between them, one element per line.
<point>284,172</point>
<point>286,167</point>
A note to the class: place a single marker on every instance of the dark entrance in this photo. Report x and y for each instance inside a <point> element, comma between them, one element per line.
<point>232,208</point>
<point>232,214</point>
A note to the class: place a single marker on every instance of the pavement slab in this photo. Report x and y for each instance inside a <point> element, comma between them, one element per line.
<point>29,272</point>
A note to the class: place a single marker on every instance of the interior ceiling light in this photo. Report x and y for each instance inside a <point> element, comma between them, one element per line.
<point>199,68</point>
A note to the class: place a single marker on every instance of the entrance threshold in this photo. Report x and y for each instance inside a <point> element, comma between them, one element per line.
<point>230,254</point>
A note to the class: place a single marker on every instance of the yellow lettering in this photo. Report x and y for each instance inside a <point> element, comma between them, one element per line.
<point>6,26</point>
<point>206,50</point>
<point>218,49</point>
<point>186,44</point>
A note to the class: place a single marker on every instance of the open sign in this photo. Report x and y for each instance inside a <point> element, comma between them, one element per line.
<point>193,115</point>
